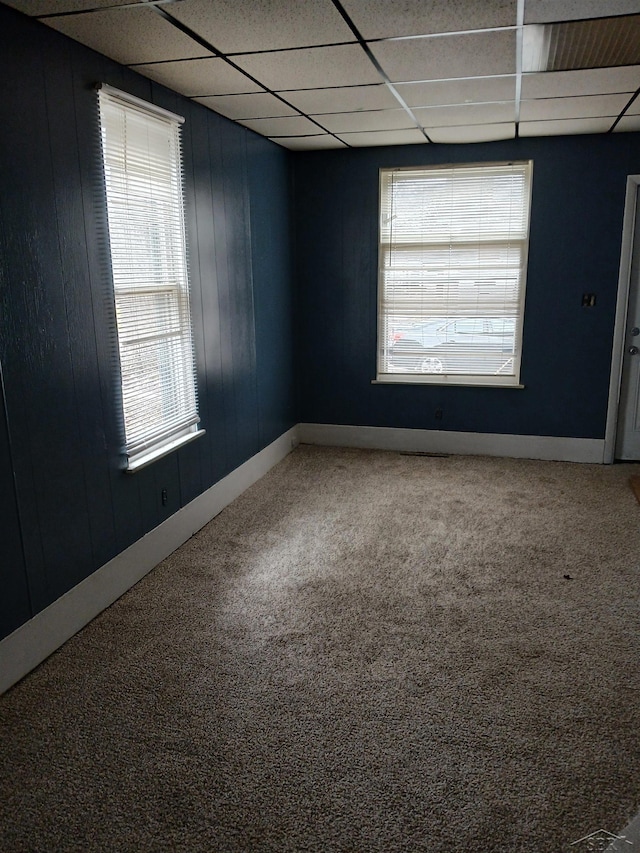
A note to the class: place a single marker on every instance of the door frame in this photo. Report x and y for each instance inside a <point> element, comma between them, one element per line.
<point>622,305</point>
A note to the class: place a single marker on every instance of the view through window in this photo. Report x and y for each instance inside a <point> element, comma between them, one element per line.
<point>453,252</point>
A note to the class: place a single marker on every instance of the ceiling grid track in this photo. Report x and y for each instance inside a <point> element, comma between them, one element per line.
<point>363,44</point>
<point>519,47</point>
<point>622,114</point>
<point>118,7</point>
<point>220,55</point>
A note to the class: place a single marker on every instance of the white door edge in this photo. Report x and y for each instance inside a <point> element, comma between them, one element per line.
<point>622,302</point>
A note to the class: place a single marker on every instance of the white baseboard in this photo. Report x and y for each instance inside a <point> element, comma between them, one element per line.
<point>34,641</point>
<point>465,443</point>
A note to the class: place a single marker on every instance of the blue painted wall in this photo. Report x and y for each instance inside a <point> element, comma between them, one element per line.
<point>66,505</point>
<point>576,225</point>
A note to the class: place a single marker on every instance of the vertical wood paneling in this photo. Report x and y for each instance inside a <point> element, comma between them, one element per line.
<point>268,176</point>
<point>213,404</point>
<point>18,266</point>
<point>320,290</point>
<point>75,504</point>
<point>358,271</point>
<point>38,370</point>
<point>223,261</point>
<point>242,339</point>
<point>15,607</point>
<point>72,241</point>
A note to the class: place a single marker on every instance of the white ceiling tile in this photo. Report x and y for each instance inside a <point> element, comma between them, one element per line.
<point>258,105</point>
<point>342,99</point>
<point>248,25</point>
<point>563,108</point>
<point>439,58</point>
<point>385,19</point>
<point>46,7</point>
<point>564,127</point>
<point>471,114</point>
<point>477,133</point>
<point>592,81</point>
<point>309,143</point>
<point>288,126</point>
<point>311,68</point>
<point>442,92</point>
<point>628,123</point>
<point>544,11</point>
<point>128,35</point>
<point>200,77</point>
<point>368,120</point>
<point>383,137</point>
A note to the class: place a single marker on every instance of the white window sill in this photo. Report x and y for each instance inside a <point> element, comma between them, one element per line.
<point>442,379</point>
<point>142,461</point>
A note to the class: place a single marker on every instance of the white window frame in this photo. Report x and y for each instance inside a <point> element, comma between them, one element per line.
<point>142,167</point>
<point>422,306</point>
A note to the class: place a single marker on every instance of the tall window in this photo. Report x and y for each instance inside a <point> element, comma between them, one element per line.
<point>143,176</point>
<point>453,253</point>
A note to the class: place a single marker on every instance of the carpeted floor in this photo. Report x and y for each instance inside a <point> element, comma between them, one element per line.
<point>365,652</point>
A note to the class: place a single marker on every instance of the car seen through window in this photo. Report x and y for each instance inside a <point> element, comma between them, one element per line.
<point>458,345</point>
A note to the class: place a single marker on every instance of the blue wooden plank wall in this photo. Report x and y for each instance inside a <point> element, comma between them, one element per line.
<point>67,507</point>
<point>579,187</point>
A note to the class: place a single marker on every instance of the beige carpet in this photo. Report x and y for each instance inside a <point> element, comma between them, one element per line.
<point>366,652</point>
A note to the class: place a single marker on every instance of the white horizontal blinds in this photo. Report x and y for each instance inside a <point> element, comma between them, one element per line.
<point>143,174</point>
<point>453,246</point>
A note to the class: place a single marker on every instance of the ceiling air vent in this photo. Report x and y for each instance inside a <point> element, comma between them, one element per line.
<point>594,43</point>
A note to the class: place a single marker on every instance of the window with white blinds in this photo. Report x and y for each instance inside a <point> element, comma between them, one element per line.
<point>453,254</point>
<point>143,177</point>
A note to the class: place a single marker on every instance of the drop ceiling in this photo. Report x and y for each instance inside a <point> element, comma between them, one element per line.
<point>317,74</point>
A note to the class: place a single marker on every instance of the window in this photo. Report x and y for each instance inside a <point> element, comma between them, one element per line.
<point>453,253</point>
<point>143,177</point>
